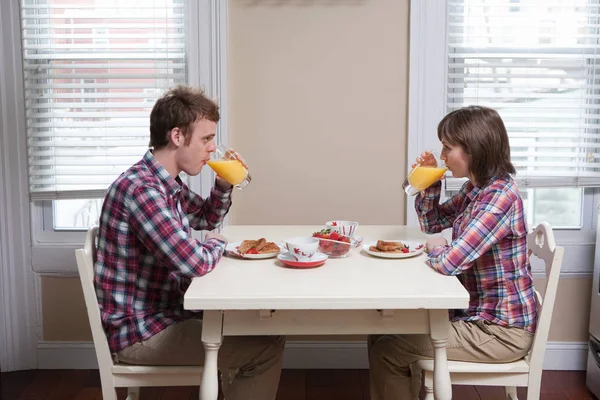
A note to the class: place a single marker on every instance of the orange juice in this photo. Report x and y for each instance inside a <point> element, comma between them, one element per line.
<point>422,177</point>
<point>231,170</point>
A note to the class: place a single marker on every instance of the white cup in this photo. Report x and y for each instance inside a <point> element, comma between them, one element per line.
<point>302,248</point>
<point>345,228</point>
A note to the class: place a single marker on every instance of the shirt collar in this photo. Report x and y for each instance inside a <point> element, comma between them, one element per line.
<point>173,185</point>
<point>472,190</point>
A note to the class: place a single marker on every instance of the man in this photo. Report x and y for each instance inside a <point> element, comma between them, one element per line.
<point>146,255</point>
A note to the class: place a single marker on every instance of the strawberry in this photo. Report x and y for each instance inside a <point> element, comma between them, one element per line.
<point>334,236</point>
<point>252,251</point>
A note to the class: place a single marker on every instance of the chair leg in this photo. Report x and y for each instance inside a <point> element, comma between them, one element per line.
<point>109,392</point>
<point>511,392</point>
<point>428,383</point>
<point>534,386</point>
<point>133,393</point>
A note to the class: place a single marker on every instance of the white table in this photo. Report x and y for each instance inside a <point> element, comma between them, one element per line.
<point>359,294</point>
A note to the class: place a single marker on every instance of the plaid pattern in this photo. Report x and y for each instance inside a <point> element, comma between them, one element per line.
<point>146,255</point>
<point>488,252</point>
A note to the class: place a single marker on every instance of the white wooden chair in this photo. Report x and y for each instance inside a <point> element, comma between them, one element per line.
<point>526,372</point>
<point>114,375</point>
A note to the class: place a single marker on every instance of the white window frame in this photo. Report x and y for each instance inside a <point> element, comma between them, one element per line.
<point>52,251</point>
<point>427,99</point>
<point>18,283</point>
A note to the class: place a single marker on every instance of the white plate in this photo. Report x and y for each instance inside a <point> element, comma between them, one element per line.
<point>412,247</point>
<point>232,249</point>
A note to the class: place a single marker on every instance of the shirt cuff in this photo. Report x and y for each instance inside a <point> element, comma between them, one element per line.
<point>428,198</point>
<point>221,191</point>
<point>216,244</point>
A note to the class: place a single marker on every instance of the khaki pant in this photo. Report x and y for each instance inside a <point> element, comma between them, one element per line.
<point>255,359</point>
<point>390,356</point>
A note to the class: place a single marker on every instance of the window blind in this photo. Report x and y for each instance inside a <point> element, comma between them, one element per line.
<point>92,72</point>
<point>537,63</point>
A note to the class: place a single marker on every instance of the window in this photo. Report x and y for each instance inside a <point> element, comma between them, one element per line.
<point>534,61</point>
<point>92,70</point>
<point>536,64</point>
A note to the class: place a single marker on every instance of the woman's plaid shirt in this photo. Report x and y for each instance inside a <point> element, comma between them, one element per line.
<point>488,252</point>
<point>146,255</point>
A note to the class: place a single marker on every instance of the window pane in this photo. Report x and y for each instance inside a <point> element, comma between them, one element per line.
<point>92,70</point>
<point>560,207</point>
<point>76,214</point>
<point>536,63</point>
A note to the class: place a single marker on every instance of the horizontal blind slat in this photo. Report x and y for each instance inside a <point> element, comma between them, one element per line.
<point>91,76</point>
<point>538,64</point>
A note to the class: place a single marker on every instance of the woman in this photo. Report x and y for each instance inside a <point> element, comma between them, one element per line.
<point>488,254</point>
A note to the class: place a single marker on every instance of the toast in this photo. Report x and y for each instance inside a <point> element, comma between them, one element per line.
<point>261,246</point>
<point>389,247</point>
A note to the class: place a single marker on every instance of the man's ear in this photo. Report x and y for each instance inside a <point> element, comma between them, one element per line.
<point>176,136</point>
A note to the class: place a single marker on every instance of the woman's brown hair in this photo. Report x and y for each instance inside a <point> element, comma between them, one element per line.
<point>179,107</point>
<point>481,133</point>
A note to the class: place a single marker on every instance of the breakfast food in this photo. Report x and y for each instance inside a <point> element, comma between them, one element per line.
<point>332,243</point>
<point>260,246</point>
<point>390,247</point>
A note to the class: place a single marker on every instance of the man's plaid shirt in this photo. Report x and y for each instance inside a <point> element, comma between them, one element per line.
<point>146,255</point>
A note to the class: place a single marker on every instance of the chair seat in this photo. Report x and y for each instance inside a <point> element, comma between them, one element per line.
<point>468,367</point>
<point>126,369</point>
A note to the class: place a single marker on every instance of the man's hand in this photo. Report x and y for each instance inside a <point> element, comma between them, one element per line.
<point>233,154</point>
<point>435,242</point>
<point>211,235</point>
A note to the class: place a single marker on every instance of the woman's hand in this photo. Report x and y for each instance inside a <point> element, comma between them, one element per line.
<point>426,159</point>
<point>434,242</point>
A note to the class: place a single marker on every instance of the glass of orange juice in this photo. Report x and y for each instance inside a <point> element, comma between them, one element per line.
<point>424,174</point>
<point>225,163</point>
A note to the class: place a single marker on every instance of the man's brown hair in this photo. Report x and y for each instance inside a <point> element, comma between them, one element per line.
<point>481,133</point>
<point>179,107</point>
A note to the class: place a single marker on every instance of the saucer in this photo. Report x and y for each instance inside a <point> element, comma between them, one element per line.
<point>288,260</point>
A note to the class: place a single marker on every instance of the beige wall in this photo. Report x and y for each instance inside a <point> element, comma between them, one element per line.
<point>65,318</point>
<point>316,89</point>
<point>318,103</point>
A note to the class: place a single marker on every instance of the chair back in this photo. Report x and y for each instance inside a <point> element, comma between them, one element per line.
<point>86,258</point>
<point>540,243</point>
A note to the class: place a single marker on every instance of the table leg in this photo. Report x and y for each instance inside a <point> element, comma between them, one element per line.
<point>439,325</point>
<point>212,329</point>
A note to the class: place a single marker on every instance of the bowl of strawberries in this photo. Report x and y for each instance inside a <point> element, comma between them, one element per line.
<point>333,243</point>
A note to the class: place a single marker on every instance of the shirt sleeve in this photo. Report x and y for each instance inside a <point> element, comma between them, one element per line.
<point>164,235</point>
<point>433,216</point>
<point>489,223</point>
<point>207,214</point>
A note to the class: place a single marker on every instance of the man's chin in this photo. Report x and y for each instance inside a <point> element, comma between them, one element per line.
<point>193,172</point>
